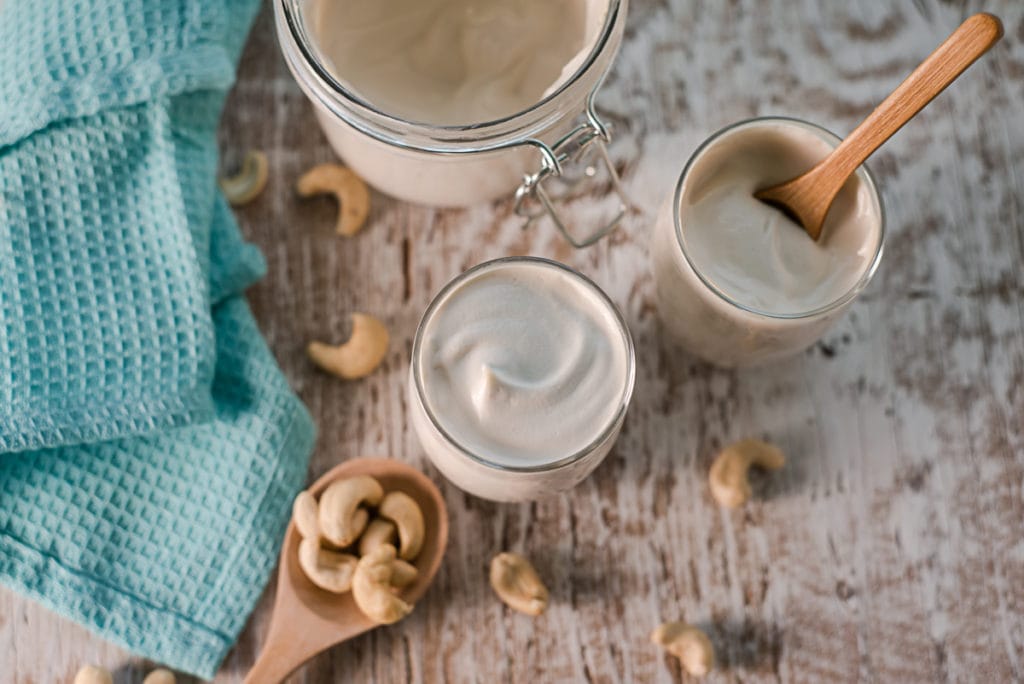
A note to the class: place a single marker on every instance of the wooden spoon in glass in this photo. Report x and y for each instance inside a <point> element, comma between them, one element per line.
<point>307,619</point>
<point>807,198</point>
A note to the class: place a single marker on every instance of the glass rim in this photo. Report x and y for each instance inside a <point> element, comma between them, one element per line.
<point>828,136</point>
<point>369,119</point>
<point>606,431</point>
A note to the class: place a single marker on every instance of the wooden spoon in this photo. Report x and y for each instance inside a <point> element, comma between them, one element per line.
<point>307,619</point>
<point>807,198</point>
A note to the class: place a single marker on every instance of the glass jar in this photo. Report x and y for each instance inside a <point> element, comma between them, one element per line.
<point>461,165</point>
<point>437,417</point>
<point>710,323</point>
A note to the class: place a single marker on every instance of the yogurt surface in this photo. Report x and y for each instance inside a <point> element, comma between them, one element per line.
<point>451,62</point>
<point>523,363</point>
<point>753,253</point>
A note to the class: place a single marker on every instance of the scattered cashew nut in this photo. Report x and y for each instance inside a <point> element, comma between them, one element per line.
<point>160,676</point>
<point>517,584</point>
<point>358,357</point>
<point>330,570</point>
<point>689,644</point>
<point>249,182</point>
<point>377,532</point>
<point>341,517</point>
<point>402,573</point>
<point>372,587</point>
<point>94,674</point>
<point>353,197</point>
<point>728,475</point>
<point>305,511</point>
<point>402,510</point>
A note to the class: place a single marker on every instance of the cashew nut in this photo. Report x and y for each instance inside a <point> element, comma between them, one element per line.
<point>353,197</point>
<point>330,570</point>
<point>341,518</point>
<point>372,588</point>
<point>517,584</point>
<point>358,357</point>
<point>249,182</point>
<point>160,676</point>
<point>728,475</point>
<point>94,674</point>
<point>403,573</point>
<point>689,644</point>
<point>304,512</point>
<point>401,509</point>
<point>377,532</point>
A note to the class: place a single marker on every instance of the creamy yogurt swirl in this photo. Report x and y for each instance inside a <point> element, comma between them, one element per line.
<point>523,363</point>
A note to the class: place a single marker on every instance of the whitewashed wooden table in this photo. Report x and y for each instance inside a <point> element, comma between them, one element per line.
<point>890,549</point>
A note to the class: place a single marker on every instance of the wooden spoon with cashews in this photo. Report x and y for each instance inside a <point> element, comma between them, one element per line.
<point>807,198</point>
<point>308,620</point>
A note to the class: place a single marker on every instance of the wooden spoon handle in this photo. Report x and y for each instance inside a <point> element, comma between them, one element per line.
<point>272,667</point>
<point>965,45</point>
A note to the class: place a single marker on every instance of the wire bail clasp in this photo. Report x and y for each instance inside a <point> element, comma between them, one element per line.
<point>590,137</point>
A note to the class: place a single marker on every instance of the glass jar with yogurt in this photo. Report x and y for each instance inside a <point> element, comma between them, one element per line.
<point>740,284</point>
<point>522,371</point>
<point>456,102</point>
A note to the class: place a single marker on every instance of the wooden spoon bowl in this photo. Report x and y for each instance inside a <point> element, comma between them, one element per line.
<point>306,619</point>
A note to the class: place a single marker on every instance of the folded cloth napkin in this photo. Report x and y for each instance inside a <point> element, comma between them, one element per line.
<point>149,445</point>
<point>107,112</point>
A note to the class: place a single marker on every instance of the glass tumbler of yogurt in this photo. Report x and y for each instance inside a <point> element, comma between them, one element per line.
<point>522,371</point>
<point>457,102</point>
<point>740,284</point>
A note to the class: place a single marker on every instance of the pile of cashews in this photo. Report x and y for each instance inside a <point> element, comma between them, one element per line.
<point>358,538</point>
<point>346,546</point>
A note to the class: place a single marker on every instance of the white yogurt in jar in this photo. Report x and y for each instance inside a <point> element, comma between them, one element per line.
<point>451,62</point>
<point>522,370</point>
<point>444,102</point>
<point>738,282</point>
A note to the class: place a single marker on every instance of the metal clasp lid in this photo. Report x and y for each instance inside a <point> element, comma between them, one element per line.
<point>590,137</point>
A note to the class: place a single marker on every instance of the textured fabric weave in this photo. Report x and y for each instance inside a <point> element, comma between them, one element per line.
<point>150,445</point>
<point>105,325</point>
<point>163,543</point>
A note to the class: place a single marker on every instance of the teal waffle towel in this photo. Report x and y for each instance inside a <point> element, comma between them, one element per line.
<point>149,445</point>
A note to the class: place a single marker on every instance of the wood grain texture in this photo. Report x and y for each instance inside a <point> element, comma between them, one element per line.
<point>890,549</point>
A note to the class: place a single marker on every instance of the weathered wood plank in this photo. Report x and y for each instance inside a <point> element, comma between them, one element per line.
<point>890,549</point>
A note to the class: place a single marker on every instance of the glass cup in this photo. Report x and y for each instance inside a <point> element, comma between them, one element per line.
<point>710,323</point>
<point>461,165</point>
<point>481,474</point>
